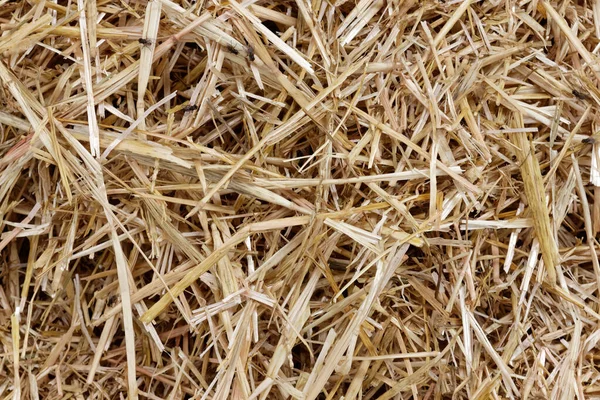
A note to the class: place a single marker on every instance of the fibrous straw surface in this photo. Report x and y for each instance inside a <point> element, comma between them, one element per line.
<point>374,199</point>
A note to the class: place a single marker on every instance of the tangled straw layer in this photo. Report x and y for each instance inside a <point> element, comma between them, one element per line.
<point>299,200</point>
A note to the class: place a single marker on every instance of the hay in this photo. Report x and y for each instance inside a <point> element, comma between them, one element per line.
<point>299,200</point>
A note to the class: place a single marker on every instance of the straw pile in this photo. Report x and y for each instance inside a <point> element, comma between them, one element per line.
<point>299,200</point>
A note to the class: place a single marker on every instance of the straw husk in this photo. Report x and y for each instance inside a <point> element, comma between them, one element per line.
<point>299,200</point>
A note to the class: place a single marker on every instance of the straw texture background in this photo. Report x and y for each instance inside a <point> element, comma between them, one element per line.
<point>366,199</point>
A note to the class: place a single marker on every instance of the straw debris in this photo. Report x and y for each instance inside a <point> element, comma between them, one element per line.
<point>299,200</point>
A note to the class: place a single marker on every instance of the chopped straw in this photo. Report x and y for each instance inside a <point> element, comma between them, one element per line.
<point>299,200</point>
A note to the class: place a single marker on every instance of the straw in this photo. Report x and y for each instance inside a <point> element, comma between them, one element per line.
<point>299,200</point>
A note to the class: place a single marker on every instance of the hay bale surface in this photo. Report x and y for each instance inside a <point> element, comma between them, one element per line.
<point>299,200</point>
